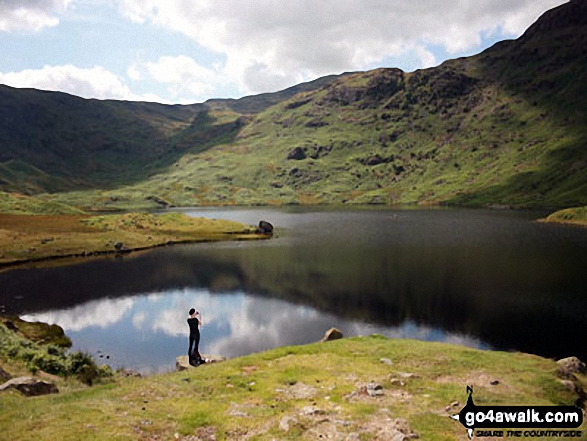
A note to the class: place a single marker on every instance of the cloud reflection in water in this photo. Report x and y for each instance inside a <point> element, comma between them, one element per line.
<point>146,332</point>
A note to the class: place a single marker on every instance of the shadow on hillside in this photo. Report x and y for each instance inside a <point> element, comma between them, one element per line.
<point>203,133</point>
<point>55,142</point>
<point>546,68</point>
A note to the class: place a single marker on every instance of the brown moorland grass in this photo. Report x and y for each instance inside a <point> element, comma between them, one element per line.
<point>25,238</point>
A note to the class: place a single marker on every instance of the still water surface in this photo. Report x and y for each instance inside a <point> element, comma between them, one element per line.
<point>486,279</point>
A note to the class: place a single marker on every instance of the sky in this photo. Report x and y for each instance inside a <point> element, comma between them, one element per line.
<point>188,51</point>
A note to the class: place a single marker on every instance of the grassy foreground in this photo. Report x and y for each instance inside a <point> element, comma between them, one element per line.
<point>577,216</point>
<point>33,237</point>
<point>316,391</point>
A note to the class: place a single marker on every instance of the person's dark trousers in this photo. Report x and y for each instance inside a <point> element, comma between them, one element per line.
<point>193,351</point>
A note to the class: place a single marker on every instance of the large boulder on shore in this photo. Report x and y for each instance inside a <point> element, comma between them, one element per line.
<point>264,228</point>
<point>182,362</point>
<point>30,387</point>
<point>332,334</point>
<point>571,366</point>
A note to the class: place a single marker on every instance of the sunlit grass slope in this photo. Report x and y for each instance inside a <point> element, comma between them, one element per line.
<point>317,391</point>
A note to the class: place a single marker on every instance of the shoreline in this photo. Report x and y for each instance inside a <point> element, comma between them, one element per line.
<point>368,387</point>
<point>26,239</point>
<point>16,263</point>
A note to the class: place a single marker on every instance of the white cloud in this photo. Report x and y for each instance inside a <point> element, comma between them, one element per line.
<point>184,77</point>
<point>95,82</point>
<point>273,44</point>
<point>138,320</point>
<point>99,313</point>
<point>30,15</point>
<point>134,73</point>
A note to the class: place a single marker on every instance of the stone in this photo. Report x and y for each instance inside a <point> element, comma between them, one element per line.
<point>47,376</point>
<point>264,228</point>
<point>571,366</point>
<point>118,246</point>
<point>374,390</point>
<point>297,154</point>
<point>408,375</point>
<point>130,373</point>
<point>30,387</point>
<point>4,376</point>
<point>287,422</point>
<point>332,334</point>
<point>311,411</point>
<point>387,361</point>
<point>182,362</point>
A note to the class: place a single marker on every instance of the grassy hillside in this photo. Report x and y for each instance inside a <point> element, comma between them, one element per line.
<point>576,216</point>
<point>13,203</point>
<point>506,127</point>
<point>359,388</point>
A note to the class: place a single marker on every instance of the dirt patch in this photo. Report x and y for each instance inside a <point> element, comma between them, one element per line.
<point>477,379</point>
<point>299,391</point>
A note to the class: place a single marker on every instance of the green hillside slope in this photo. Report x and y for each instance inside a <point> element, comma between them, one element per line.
<point>507,127</point>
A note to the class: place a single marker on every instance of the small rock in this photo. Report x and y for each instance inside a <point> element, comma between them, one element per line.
<point>30,387</point>
<point>286,423</point>
<point>397,382</point>
<point>569,385</point>
<point>494,382</point>
<point>118,246</point>
<point>4,376</point>
<point>332,334</point>
<point>408,375</point>
<point>374,390</point>
<point>130,373</point>
<point>387,361</point>
<point>311,411</point>
<point>297,154</point>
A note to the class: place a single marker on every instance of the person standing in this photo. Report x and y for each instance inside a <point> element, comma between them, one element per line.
<point>194,322</point>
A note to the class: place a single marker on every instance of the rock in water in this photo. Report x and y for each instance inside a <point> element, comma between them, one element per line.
<point>332,334</point>
<point>264,228</point>
<point>30,387</point>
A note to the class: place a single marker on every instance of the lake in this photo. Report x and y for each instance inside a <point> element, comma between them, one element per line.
<point>483,278</point>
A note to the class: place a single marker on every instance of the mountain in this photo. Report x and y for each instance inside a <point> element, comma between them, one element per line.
<point>258,103</point>
<point>507,126</point>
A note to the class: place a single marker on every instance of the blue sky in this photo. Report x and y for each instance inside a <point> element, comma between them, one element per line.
<point>186,51</point>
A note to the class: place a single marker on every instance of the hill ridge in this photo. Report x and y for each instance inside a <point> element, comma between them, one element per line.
<point>506,126</point>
